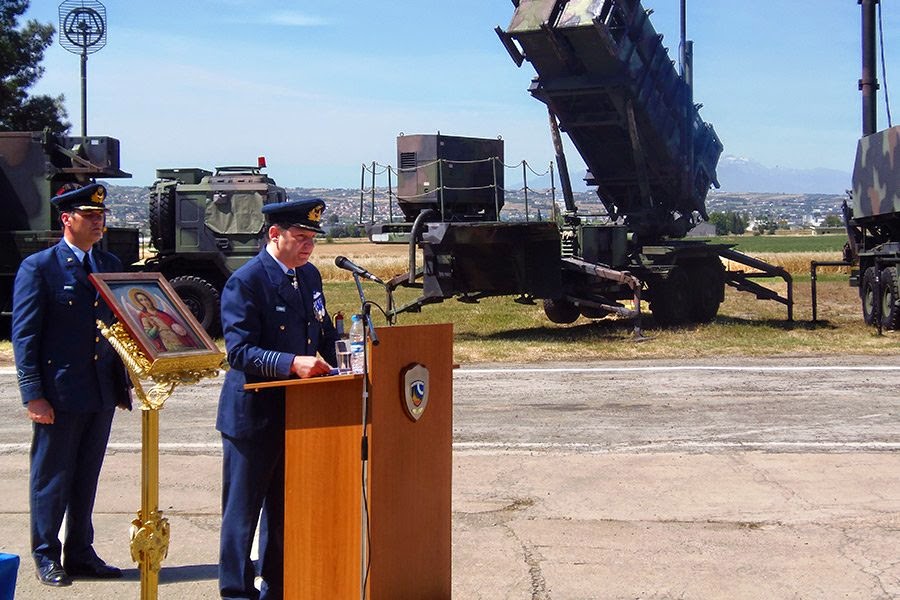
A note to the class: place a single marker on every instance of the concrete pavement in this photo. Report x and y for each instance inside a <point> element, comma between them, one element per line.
<point>564,526</point>
<point>762,479</point>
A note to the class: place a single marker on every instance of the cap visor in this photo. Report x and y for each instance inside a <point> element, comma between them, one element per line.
<point>309,227</point>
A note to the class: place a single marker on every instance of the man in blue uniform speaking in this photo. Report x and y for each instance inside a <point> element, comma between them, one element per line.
<point>274,322</point>
<point>70,380</point>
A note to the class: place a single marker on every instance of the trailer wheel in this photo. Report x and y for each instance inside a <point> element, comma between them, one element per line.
<point>560,311</point>
<point>890,312</point>
<point>867,293</point>
<point>707,280</point>
<point>671,301</point>
<point>202,298</point>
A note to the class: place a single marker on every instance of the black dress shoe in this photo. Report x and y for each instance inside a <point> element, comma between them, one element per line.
<point>96,569</point>
<point>52,573</point>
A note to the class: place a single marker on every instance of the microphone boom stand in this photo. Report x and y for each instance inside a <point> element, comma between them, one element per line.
<point>368,330</point>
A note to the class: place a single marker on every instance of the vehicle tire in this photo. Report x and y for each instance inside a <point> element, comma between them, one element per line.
<point>670,300</point>
<point>202,298</point>
<point>867,294</point>
<point>707,284</point>
<point>561,311</point>
<point>162,219</point>
<point>890,295</point>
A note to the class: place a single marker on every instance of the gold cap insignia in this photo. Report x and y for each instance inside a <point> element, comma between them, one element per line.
<point>315,215</point>
<point>99,195</point>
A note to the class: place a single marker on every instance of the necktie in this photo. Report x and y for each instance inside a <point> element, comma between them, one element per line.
<point>86,263</point>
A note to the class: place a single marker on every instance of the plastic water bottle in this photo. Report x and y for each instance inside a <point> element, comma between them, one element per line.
<point>357,344</point>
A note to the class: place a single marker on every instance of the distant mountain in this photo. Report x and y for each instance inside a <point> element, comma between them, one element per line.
<point>744,175</point>
<point>736,175</point>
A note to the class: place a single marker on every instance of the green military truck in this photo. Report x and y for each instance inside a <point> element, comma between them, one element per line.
<point>203,224</point>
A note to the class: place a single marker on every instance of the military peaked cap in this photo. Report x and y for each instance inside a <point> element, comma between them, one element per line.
<point>296,213</point>
<point>89,197</point>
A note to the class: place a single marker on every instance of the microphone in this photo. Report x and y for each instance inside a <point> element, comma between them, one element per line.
<point>342,262</point>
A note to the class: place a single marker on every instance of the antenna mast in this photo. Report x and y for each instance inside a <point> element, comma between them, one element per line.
<point>82,30</point>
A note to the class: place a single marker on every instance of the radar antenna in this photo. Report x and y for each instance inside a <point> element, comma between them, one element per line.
<point>82,30</point>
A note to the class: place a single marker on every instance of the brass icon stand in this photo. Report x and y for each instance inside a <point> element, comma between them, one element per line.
<point>150,530</point>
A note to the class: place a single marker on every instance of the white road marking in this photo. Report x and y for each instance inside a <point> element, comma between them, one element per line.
<point>757,368</point>
<point>744,368</point>
<point>589,448</point>
<point>550,447</point>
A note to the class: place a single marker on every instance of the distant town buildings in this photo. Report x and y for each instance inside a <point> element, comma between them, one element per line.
<point>349,206</point>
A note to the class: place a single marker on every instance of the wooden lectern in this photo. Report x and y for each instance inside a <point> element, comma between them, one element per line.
<point>409,476</point>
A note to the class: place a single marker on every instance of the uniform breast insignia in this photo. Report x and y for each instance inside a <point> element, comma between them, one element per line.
<point>280,309</point>
<point>414,379</point>
<point>319,306</point>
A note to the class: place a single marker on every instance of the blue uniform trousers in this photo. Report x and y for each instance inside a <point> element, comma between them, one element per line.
<point>65,464</point>
<point>258,465</point>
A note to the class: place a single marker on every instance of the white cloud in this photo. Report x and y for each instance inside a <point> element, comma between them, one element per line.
<point>281,18</point>
<point>293,19</point>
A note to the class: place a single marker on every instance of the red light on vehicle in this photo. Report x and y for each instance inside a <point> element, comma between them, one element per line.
<point>261,162</point>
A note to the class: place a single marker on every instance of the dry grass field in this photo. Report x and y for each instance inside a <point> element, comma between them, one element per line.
<point>498,329</point>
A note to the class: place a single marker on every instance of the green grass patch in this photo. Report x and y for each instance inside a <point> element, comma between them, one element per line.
<point>784,243</point>
<point>500,330</point>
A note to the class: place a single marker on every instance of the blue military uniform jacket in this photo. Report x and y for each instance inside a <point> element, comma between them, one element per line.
<point>60,354</point>
<point>266,322</point>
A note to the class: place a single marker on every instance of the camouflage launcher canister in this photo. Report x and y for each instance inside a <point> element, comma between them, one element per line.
<point>876,175</point>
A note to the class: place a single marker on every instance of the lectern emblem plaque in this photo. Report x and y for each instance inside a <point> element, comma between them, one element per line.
<point>415,390</point>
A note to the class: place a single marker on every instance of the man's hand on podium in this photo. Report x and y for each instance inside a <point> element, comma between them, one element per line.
<point>309,366</point>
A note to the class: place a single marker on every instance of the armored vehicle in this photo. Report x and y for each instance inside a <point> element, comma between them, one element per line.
<point>608,83</point>
<point>34,166</point>
<point>204,225</point>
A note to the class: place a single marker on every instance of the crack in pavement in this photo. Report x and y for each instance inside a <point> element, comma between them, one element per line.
<point>853,549</point>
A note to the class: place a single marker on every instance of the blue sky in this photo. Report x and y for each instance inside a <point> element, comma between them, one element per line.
<point>321,87</point>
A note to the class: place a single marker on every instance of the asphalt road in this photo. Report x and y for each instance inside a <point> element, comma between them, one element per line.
<point>755,478</point>
<point>777,405</point>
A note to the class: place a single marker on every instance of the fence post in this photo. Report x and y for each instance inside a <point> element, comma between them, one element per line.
<point>362,190</point>
<point>372,215</point>
<point>525,183</point>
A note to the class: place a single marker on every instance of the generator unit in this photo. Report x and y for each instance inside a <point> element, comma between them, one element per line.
<point>459,177</point>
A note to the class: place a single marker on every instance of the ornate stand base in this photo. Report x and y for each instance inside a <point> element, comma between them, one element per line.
<point>150,530</point>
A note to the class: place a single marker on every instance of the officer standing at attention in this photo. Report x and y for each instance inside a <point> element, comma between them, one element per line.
<point>70,380</point>
<point>274,322</point>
